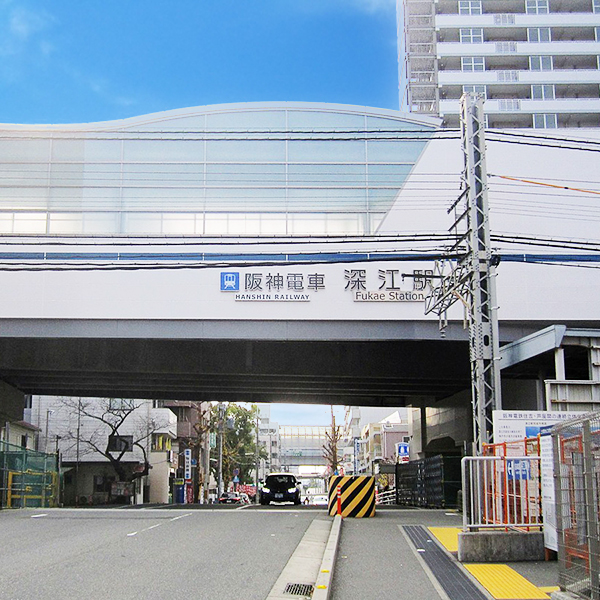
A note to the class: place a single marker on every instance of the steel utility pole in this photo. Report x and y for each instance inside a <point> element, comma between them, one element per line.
<point>221,408</point>
<point>471,277</point>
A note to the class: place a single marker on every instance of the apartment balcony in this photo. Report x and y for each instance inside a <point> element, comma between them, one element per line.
<point>490,77</point>
<point>166,421</point>
<point>558,48</point>
<point>558,106</point>
<point>554,20</point>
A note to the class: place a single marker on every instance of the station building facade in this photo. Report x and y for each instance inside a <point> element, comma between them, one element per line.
<point>285,222</point>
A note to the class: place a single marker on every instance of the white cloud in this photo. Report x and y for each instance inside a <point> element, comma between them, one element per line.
<point>20,28</point>
<point>372,6</point>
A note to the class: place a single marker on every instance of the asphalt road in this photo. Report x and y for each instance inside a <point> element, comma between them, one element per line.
<point>116,554</point>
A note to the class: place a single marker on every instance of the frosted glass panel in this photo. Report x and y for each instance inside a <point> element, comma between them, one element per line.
<point>246,120</point>
<point>142,223</point>
<point>30,151</point>
<point>328,175</point>
<point>163,151</point>
<point>324,120</point>
<point>6,222</point>
<point>327,200</point>
<point>394,151</point>
<point>388,174</point>
<point>95,223</point>
<point>224,174</point>
<point>30,223</point>
<point>73,150</point>
<point>374,123</point>
<point>179,224</point>
<point>327,151</point>
<point>65,223</point>
<point>103,150</point>
<point>247,200</point>
<point>168,174</point>
<point>23,198</point>
<point>245,151</point>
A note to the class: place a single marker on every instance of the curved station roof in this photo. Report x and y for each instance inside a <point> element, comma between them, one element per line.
<point>232,169</point>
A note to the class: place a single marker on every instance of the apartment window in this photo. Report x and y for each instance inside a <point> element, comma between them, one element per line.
<point>120,443</point>
<point>536,7</point>
<point>596,6</point>
<point>597,30</point>
<point>538,34</point>
<point>544,121</point>
<point>540,63</point>
<point>475,89</point>
<point>542,92</point>
<point>472,63</point>
<point>469,7</point>
<point>471,35</point>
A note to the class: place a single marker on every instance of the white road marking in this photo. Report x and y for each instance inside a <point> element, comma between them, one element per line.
<point>133,533</point>
<point>38,516</point>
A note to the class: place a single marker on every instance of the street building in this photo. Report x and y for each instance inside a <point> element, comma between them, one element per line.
<point>535,61</point>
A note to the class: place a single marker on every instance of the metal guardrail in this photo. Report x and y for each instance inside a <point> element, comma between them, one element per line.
<point>501,492</point>
<point>388,497</point>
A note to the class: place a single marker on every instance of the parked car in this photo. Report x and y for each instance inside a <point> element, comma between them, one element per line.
<point>280,487</point>
<point>230,498</point>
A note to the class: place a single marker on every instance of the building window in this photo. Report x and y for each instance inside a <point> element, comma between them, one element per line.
<point>596,6</point>
<point>539,34</point>
<point>471,35</point>
<point>120,443</point>
<point>544,121</point>
<point>540,63</point>
<point>542,92</point>
<point>472,63</point>
<point>597,30</point>
<point>469,7</point>
<point>475,89</point>
<point>537,7</point>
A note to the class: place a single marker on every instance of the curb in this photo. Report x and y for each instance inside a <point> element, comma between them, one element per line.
<point>325,576</point>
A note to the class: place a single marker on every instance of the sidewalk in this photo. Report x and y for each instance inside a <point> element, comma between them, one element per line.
<point>396,555</point>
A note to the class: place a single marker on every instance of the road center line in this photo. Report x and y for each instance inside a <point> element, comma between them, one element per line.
<point>133,533</point>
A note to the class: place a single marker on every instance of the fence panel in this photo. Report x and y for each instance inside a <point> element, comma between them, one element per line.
<point>576,447</point>
<point>501,492</point>
<point>28,479</point>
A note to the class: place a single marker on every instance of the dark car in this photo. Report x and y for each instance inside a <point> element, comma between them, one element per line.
<point>280,487</point>
<point>230,498</point>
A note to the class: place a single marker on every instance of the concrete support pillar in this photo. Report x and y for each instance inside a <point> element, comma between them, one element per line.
<point>559,364</point>
<point>12,403</point>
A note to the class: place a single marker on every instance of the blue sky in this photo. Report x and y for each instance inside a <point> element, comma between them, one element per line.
<point>81,62</point>
<point>72,62</point>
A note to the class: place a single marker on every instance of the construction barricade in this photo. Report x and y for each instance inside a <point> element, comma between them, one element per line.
<point>576,446</point>
<point>501,492</point>
<point>352,496</point>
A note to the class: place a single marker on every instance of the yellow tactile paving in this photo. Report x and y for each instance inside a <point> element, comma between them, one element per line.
<point>447,536</point>
<point>504,583</point>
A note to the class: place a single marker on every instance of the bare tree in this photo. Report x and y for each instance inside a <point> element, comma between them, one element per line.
<point>99,429</point>
<point>330,449</point>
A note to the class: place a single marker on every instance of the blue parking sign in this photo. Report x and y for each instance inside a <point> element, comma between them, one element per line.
<point>517,469</point>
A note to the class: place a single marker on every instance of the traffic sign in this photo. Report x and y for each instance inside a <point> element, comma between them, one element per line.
<point>403,452</point>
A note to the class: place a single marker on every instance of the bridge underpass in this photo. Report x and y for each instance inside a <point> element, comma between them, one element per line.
<point>343,363</point>
<point>368,373</point>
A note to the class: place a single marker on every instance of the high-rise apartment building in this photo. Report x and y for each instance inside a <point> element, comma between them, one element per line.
<point>536,61</point>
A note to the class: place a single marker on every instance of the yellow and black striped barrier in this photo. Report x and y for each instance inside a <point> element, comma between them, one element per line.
<point>357,496</point>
